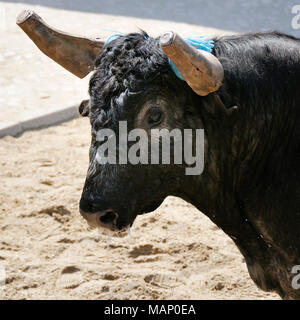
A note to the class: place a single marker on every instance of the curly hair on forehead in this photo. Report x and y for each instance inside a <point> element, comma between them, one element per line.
<point>129,59</point>
<point>125,65</point>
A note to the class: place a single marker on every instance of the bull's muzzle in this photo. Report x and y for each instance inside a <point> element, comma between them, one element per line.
<point>104,219</point>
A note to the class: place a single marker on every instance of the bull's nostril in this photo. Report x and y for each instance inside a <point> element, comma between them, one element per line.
<point>108,217</point>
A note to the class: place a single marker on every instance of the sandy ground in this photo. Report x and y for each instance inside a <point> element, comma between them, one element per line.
<point>48,251</point>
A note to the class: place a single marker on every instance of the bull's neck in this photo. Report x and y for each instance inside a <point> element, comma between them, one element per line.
<point>240,142</point>
<point>215,187</point>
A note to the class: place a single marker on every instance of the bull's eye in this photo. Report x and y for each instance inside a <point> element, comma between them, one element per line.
<point>155,117</point>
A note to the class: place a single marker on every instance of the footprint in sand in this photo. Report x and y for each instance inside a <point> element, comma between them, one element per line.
<point>70,278</point>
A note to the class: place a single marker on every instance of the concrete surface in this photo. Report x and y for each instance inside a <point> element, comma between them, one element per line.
<point>236,15</point>
<point>34,91</point>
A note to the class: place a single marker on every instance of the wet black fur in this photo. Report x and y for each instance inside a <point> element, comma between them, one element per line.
<point>251,183</point>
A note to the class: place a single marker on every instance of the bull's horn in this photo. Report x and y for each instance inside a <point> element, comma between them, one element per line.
<point>201,70</point>
<point>76,54</point>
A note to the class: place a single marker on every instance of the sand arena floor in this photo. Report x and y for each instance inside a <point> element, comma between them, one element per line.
<point>48,251</point>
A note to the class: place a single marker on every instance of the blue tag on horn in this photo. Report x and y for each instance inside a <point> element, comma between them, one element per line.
<point>197,42</point>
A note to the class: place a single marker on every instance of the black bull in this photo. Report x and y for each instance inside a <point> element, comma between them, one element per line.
<point>250,186</point>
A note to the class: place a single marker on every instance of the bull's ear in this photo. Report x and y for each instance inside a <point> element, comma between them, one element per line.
<point>84,108</point>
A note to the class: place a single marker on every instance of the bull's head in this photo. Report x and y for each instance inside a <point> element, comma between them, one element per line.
<point>133,82</point>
